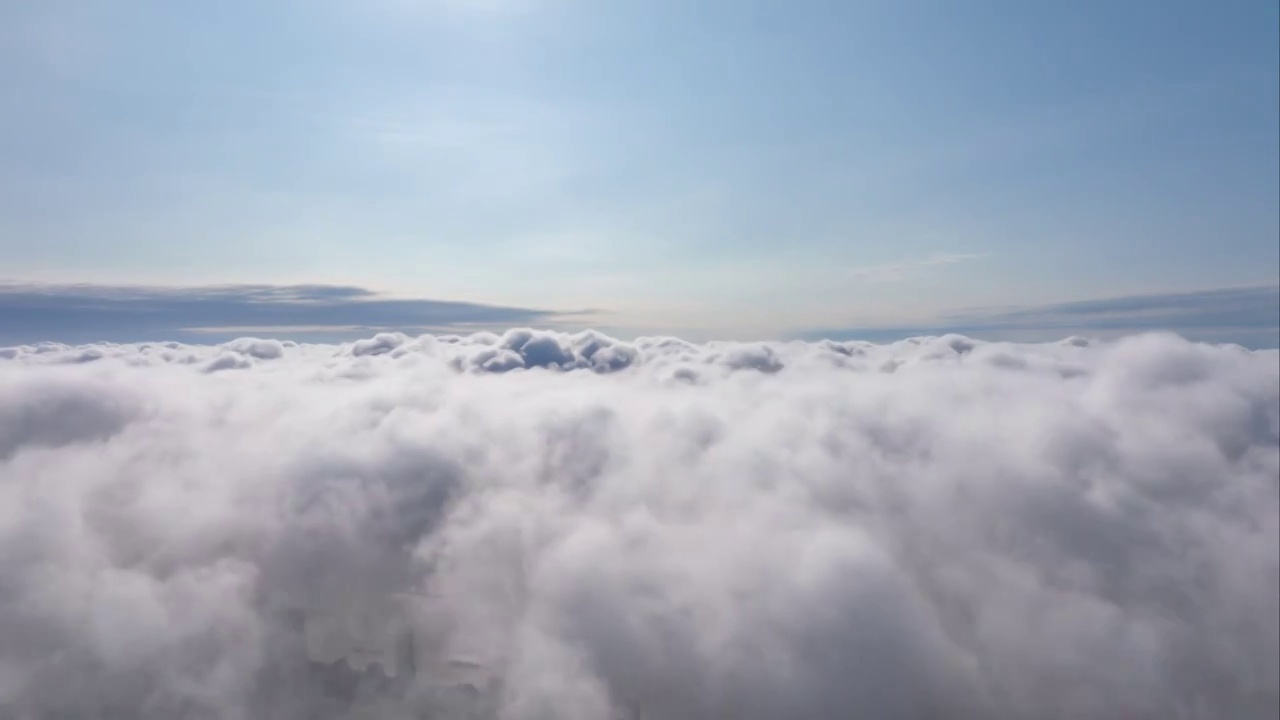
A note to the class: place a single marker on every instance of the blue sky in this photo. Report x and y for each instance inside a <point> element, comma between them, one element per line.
<point>713,169</point>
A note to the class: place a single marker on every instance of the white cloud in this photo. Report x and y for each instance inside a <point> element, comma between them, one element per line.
<point>937,528</point>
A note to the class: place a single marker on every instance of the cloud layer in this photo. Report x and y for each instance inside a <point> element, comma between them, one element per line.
<point>571,525</point>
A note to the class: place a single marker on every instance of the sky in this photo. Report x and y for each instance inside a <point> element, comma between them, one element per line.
<point>737,170</point>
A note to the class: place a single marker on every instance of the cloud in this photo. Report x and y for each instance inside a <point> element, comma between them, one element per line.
<point>1228,307</point>
<point>84,313</point>
<point>568,525</point>
<point>897,272</point>
<point>1249,316</point>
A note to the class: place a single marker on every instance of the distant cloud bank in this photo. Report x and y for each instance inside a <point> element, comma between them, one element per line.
<point>1247,316</point>
<point>574,527</point>
<point>89,313</point>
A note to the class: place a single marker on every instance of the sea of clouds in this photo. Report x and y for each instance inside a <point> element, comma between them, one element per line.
<point>575,527</point>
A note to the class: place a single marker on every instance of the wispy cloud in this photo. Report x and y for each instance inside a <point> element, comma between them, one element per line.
<point>30,312</point>
<point>897,272</point>
<point>1248,316</point>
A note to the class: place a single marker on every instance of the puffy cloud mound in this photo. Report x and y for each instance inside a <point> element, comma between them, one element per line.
<point>572,527</point>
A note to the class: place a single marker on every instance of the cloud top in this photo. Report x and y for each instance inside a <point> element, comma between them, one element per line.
<point>570,526</point>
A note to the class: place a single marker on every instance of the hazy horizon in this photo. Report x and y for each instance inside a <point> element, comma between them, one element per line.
<point>83,313</point>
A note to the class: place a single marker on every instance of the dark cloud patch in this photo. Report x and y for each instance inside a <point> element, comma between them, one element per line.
<point>89,313</point>
<point>1245,316</point>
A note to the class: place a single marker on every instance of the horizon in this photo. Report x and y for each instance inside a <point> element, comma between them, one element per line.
<point>86,314</point>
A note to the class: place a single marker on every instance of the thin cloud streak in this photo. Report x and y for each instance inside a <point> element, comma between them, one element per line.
<point>897,272</point>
